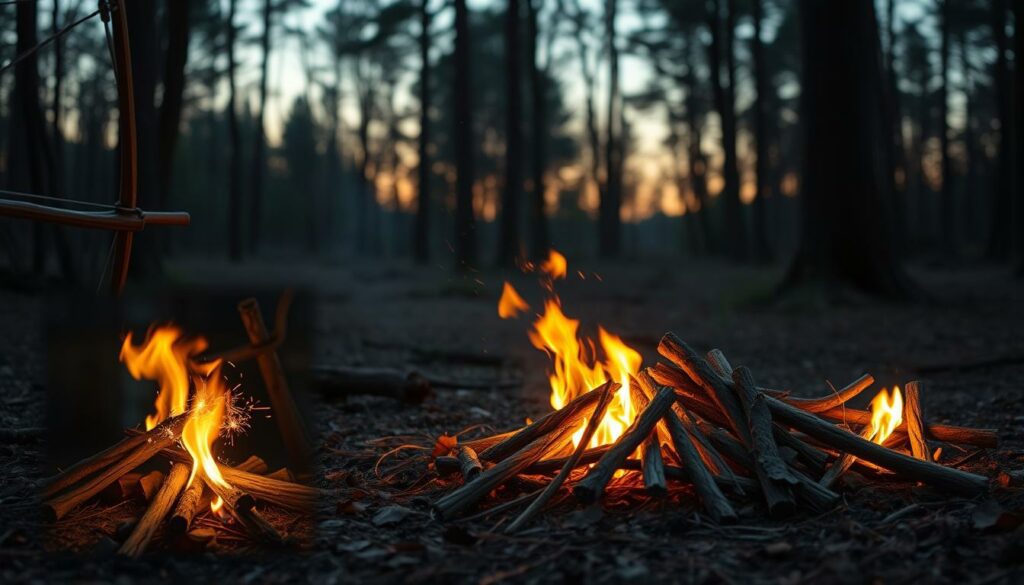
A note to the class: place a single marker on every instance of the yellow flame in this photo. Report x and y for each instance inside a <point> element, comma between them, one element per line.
<point>555,266</point>
<point>511,304</point>
<point>886,414</point>
<point>163,356</point>
<point>209,407</point>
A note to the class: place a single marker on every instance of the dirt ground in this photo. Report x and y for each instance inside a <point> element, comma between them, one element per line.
<point>376,525</point>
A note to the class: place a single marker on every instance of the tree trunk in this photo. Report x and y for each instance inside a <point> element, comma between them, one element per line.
<point>593,139</point>
<point>697,161</point>
<point>947,228</point>
<point>145,72</point>
<point>57,170</point>
<point>174,87</point>
<point>609,220</point>
<point>762,250</point>
<point>1018,122</point>
<point>508,239</point>
<point>234,163</point>
<point>465,219</point>
<point>897,171</point>
<point>540,239</point>
<point>844,241</point>
<point>999,242</point>
<point>421,237</point>
<point>260,135</point>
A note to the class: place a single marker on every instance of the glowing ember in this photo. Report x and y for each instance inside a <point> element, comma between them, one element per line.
<point>578,364</point>
<point>511,304</point>
<point>886,415</point>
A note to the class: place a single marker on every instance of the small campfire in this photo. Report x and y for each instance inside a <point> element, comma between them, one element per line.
<point>690,424</point>
<point>194,407</point>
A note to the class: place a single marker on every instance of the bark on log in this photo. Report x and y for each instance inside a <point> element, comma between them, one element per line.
<point>150,483</point>
<point>196,497</point>
<point>342,381</point>
<point>545,424</point>
<point>986,438</point>
<point>242,507</point>
<point>653,466</point>
<point>286,412</point>
<point>930,473</point>
<point>552,488</point>
<point>591,487</point>
<point>162,436</point>
<point>469,463</point>
<point>144,530</point>
<point>771,470</point>
<point>914,419</point>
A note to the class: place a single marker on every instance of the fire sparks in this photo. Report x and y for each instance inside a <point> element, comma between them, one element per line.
<point>166,357</point>
<point>886,415</point>
<point>511,303</point>
<point>578,364</point>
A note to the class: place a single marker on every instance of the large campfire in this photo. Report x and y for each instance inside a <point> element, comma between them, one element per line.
<point>195,406</point>
<point>690,423</point>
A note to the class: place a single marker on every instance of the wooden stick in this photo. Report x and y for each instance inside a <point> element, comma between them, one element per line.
<point>480,444</point>
<point>915,469</point>
<point>544,425</point>
<point>694,469</point>
<point>700,372</point>
<point>552,488</point>
<point>914,419</point>
<point>469,463</point>
<point>196,497</point>
<point>831,401</point>
<point>123,488</point>
<point>342,381</point>
<point>286,413</point>
<point>653,465</point>
<point>815,459</point>
<point>988,438</point>
<point>144,530</point>
<point>160,437</point>
<point>470,493</point>
<point>591,487</point>
<point>150,483</point>
<point>772,472</point>
<point>242,508</point>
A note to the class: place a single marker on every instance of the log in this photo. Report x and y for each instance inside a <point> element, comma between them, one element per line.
<point>986,438</point>
<point>196,497</point>
<point>469,463</point>
<point>482,443</point>
<point>837,399</point>
<point>914,419</point>
<point>469,494</point>
<point>545,424</point>
<point>162,501</point>
<point>771,470</point>
<point>813,458</point>
<point>694,469</point>
<point>944,478</point>
<point>242,507</point>
<point>123,488</point>
<point>591,487</point>
<point>162,436</point>
<point>286,412</point>
<point>253,464</point>
<point>653,465</point>
<point>150,483</point>
<point>283,474</point>
<point>343,381</point>
<point>682,355</point>
<point>552,488</point>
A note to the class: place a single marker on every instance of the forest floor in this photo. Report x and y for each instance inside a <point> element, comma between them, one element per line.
<point>374,529</point>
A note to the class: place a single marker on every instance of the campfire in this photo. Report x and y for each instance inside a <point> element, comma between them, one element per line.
<point>195,406</point>
<point>690,424</point>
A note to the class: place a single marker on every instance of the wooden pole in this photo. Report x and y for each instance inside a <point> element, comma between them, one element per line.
<point>286,412</point>
<point>139,539</point>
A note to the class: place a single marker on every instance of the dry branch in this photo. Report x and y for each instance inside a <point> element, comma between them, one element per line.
<point>342,381</point>
<point>833,400</point>
<point>772,472</point>
<point>653,465</point>
<point>590,488</point>
<point>843,440</point>
<point>158,508</point>
<point>545,424</point>
<point>469,463</point>
<point>986,438</point>
<point>196,497</point>
<point>914,419</point>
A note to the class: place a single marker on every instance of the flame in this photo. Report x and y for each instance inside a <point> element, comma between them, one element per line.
<point>886,415</point>
<point>578,364</point>
<point>511,303</point>
<point>164,357</point>
<point>209,408</point>
<point>555,266</point>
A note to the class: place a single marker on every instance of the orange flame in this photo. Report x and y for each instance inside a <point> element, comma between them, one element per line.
<point>555,266</point>
<point>511,304</point>
<point>578,365</point>
<point>886,415</point>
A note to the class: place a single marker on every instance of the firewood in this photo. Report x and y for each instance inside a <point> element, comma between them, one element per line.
<point>547,466</point>
<point>342,381</point>
<point>162,436</point>
<point>470,493</point>
<point>123,488</point>
<point>286,412</point>
<point>591,487</point>
<point>738,484</point>
<point>469,463</point>
<point>842,440</point>
<point>158,508</point>
<point>242,507</point>
<point>769,467</point>
<point>833,400</point>
<point>653,465</point>
<point>196,497</point>
<point>545,424</point>
<point>682,355</point>
<point>94,463</point>
<point>283,474</point>
<point>570,463</point>
<point>986,438</point>
<point>150,483</point>
<point>482,443</point>
<point>842,464</point>
<point>813,458</point>
<point>253,464</point>
<point>694,469</point>
<point>914,419</point>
